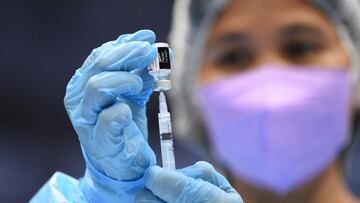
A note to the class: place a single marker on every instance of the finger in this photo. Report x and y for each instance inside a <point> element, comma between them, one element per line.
<point>102,91</point>
<point>146,196</point>
<point>111,121</point>
<point>93,55</point>
<point>141,35</point>
<point>139,101</point>
<point>148,86</point>
<point>110,141</point>
<point>115,136</point>
<point>96,53</point>
<point>131,160</point>
<point>137,153</point>
<point>105,138</point>
<point>172,186</point>
<point>122,38</point>
<point>205,171</point>
<point>125,57</point>
<point>140,118</point>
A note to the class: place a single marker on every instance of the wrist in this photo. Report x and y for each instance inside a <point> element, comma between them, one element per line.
<point>98,187</point>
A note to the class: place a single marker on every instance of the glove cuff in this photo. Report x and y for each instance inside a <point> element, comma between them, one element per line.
<point>97,187</point>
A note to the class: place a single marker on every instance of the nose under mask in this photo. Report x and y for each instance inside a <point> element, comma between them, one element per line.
<point>278,127</point>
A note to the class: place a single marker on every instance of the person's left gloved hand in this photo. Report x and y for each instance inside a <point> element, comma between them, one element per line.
<point>197,183</point>
<point>106,102</point>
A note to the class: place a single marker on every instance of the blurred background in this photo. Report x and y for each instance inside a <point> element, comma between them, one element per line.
<point>42,44</point>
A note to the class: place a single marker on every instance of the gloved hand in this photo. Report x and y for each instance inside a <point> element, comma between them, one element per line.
<point>106,101</point>
<point>197,183</point>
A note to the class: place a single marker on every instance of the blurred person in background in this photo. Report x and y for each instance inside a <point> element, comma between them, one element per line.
<point>269,88</point>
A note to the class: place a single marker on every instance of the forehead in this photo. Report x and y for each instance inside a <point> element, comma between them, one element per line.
<point>261,16</point>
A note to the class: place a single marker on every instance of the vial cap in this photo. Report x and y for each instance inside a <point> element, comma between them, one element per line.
<point>162,85</point>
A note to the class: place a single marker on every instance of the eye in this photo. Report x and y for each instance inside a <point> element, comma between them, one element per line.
<point>234,57</point>
<point>300,49</point>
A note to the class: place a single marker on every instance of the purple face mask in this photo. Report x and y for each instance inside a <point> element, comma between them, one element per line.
<point>278,127</point>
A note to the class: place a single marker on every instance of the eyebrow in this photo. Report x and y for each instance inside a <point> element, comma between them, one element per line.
<point>233,38</point>
<point>299,31</point>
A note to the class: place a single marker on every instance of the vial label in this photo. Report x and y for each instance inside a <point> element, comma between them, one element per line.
<point>162,60</point>
<point>164,57</point>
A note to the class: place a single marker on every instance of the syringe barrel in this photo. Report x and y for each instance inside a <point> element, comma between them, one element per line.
<point>166,141</point>
<point>167,154</point>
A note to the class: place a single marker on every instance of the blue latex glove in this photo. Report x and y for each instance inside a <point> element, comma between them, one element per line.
<point>106,101</point>
<point>197,183</point>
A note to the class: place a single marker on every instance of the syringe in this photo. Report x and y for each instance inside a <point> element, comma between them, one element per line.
<point>160,69</point>
<point>166,139</point>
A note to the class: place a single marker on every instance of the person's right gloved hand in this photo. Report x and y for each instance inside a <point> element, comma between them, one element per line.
<point>197,183</point>
<point>106,102</point>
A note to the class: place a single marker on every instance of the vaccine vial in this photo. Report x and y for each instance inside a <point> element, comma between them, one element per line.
<point>160,69</point>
